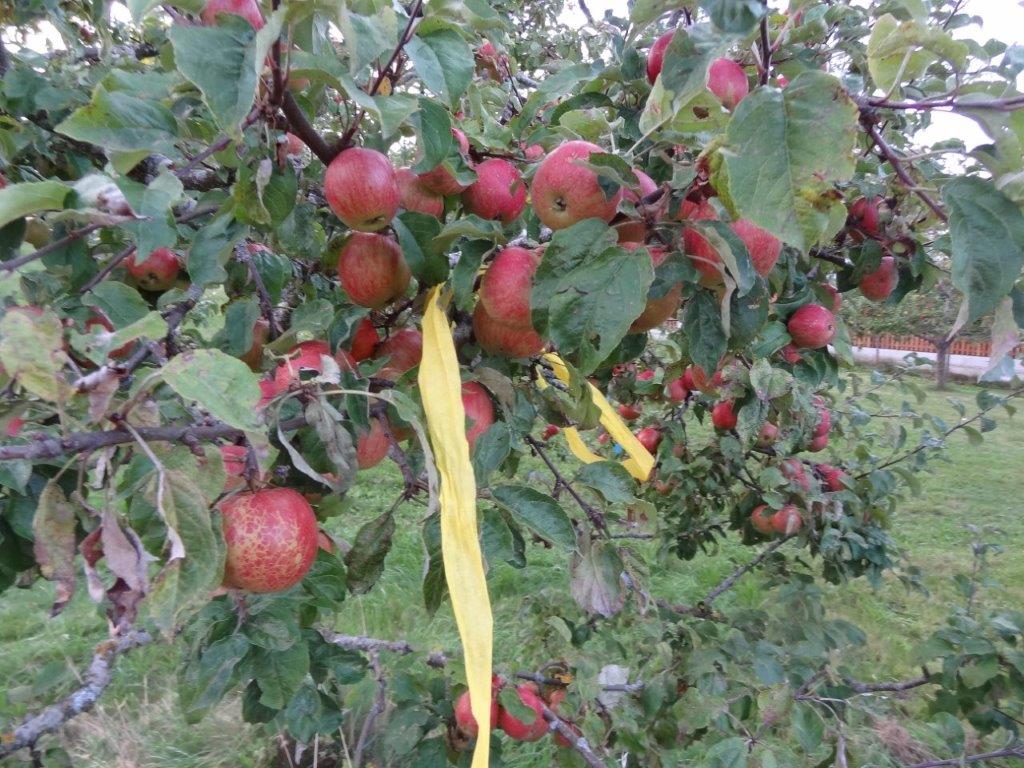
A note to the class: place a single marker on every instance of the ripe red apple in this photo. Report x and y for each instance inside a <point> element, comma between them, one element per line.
<point>769,522</point>
<point>629,412</point>
<point>864,214</point>
<point>791,354</point>
<point>294,146</point>
<point>699,379</point>
<point>247,9</point>
<point>506,286</point>
<point>564,193</point>
<point>157,272</point>
<point>490,62</point>
<point>603,438</point>
<point>479,411</point>
<point>464,715</point>
<point>439,180</point>
<point>833,477</point>
<point>372,269</point>
<point>658,310</point>
<point>308,356</point>
<point>699,211</point>
<point>364,340</point>
<point>498,338</point>
<point>811,326</point>
<point>824,422</point>
<point>647,375</point>
<point>268,391</point>
<point>498,192</point>
<point>404,350</point>
<point>635,230</point>
<point>234,466</point>
<point>763,246</point>
<point>818,443</point>
<point>525,731</point>
<point>678,392</point>
<point>767,435</point>
<point>793,470</point>
<point>271,539</point>
<point>532,152</point>
<point>416,197</point>
<point>723,416</point>
<point>878,285</point>
<point>372,446</point>
<point>656,57</point>
<point>728,81</point>
<point>14,426</point>
<point>549,431</point>
<point>650,438</point>
<point>361,187</point>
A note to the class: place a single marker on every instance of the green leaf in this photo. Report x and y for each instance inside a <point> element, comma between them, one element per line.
<point>310,712</point>
<point>538,512</point>
<point>336,440</point>
<point>738,16</point>
<point>490,451</point>
<point>471,227</point>
<point>184,584</point>
<point>367,37</point>
<point>785,151</point>
<point>279,673</point>
<point>596,578</point>
<point>239,320</point>
<point>416,234</point>
<point>120,122</point>
<point>808,726</point>
<point>18,200</point>
<point>901,52</point>
<point>703,325</point>
<point>221,384</point>
<point>728,753</point>
<point>154,202</point>
<point>31,351</point>
<point>987,233</point>
<point>211,249</point>
<point>365,561</point>
<point>205,679</point>
<point>228,79</point>
<point>435,135</point>
<point>610,479</point>
<point>443,61</point>
<point>53,528</point>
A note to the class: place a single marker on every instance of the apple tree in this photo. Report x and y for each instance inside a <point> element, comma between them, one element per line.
<point>575,281</point>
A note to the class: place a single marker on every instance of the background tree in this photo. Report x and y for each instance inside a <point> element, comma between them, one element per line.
<point>222,300</point>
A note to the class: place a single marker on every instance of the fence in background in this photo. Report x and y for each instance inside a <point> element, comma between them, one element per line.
<point>917,344</point>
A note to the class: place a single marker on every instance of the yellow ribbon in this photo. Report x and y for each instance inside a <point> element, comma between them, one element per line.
<point>441,390</point>
<point>640,462</point>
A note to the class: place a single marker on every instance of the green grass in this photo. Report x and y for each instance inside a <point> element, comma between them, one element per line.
<point>138,724</point>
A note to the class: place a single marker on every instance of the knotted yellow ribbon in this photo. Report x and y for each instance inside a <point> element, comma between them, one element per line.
<point>441,390</point>
<point>640,462</point>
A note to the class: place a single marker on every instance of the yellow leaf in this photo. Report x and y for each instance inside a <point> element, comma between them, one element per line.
<point>460,545</point>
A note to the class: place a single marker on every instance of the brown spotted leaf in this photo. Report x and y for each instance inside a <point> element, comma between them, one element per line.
<point>54,548</point>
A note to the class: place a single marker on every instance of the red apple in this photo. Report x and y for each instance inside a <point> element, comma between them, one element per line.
<point>629,412</point>
<point>678,392</point>
<point>499,338</point>
<point>564,193</point>
<point>549,431</point>
<point>723,416</point>
<point>769,522</point>
<point>506,286</point>
<point>656,57</point>
<point>833,477</point>
<point>650,438</point>
<point>699,211</point>
<point>793,470</point>
<point>307,356</point>
<point>763,246</point>
<point>464,715</point>
<point>372,446</point>
<point>490,62</point>
<point>532,152</point>
<point>647,375</point>
<point>811,326</point>
<point>294,145</point>
<point>14,426</point>
<point>525,731</point>
<point>439,180</point>
<point>864,214</point>
<point>791,354</point>
<point>416,197</point>
<point>99,320</point>
<point>157,272</point>
<point>404,350</point>
<point>818,443</point>
<point>635,230</point>
<point>767,435</point>
<point>837,297</point>
<point>372,269</point>
<point>362,189</point>
<point>728,81</point>
<point>247,9</point>
<point>271,539</point>
<point>364,340</point>
<point>479,411</point>
<point>498,192</point>
<point>878,285</point>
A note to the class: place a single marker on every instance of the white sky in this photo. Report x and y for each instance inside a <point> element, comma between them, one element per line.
<point>1002,19</point>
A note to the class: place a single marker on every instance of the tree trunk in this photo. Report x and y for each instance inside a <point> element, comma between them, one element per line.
<point>942,363</point>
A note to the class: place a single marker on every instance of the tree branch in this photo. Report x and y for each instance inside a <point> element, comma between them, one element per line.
<point>897,165</point>
<point>1014,751</point>
<point>243,255</point>
<point>97,678</point>
<point>51,247</point>
<point>222,143</point>
<point>576,741</point>
<point>304,129</point>
<point>595,516</point>
<point>1008,104</point>
<point>906,685</point>
<point>726,584</point>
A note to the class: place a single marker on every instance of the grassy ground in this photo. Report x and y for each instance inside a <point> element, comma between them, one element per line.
<point>137,723</point>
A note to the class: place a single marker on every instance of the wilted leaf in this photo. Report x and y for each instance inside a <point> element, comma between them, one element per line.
<point>597,578</point>
<point>54,529</point>
<point>365,561</point>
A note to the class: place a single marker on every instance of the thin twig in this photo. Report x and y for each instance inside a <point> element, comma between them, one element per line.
<point>56,245</point>
<point>222,143</point>
<point>376,710</point>
<point>1014,751</point>
<point>593,514</point>
<point>897,165</point>
<point>576,741</point>
<point>96,680</point>
<point>244,255</point>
